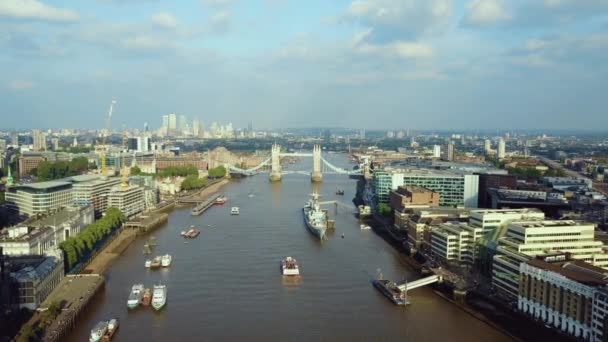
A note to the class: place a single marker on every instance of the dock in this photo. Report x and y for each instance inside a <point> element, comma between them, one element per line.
<point>147,222</point>
<point>203,206</point>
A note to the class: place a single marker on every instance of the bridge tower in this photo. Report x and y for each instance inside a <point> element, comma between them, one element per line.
<point>316,164</point>
<point>275,163</point>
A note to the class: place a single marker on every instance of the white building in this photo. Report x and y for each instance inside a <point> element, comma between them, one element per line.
<point>487,146</point>
<point>94,190</point>
<point>501,153</point>
<point>455,242</point>
<point>525,239</point>
<point>34,198</point>
<point>128,199</point>
<point>437,151</point>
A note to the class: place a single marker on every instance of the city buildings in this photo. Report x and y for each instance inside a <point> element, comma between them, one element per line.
<point>34,198</point>
<point>490,181</point>
<point>29,162</point>
<point>436,151</point>
<point>128,199</point>
<point>448,154</point>
<point>501,152</point>
<point>455,242</point>
<point>526,239</point>
<point>566,294</point>
<point>39,140</point>
<point>93,189</point>
<point>33,278</point>
<point>487,146</point>
<point>406,197</point>
<point>419,224</point>
<point>456,189</point>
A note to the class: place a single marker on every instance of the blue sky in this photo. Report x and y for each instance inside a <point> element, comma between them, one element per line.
<point>418,64</point>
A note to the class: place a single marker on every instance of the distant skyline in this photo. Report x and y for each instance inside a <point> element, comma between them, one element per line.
<point>419,64</point>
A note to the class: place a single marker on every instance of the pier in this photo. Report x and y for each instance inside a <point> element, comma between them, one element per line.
<point>203,206</point>
<point>145,223</point>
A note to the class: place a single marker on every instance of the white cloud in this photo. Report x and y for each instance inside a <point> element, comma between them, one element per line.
<point>396,49</point>
<point>20,85</point>
<point>165,20</point>
<point>32,9</point>
<point>486,12</point>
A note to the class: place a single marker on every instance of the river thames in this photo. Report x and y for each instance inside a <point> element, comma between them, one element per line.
<point>226,284</point>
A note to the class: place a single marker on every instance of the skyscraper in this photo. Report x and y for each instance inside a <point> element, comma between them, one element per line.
<point>183,123</point>
<point>196,128</point>
<point>487,146</point>
<point>165,125</point>
<point>172,121</point>
<point>437,151</point>
<point>501,149</point>
<point>449,152</point>
<point>39,138</point>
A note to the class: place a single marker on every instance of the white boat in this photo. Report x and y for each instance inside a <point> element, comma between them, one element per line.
<point>148,263</point>
<point>234,211</point>
<point>183,233</point>
<point>165,260</point>
<point>289,267</point>
<point>98,331</point>
<point>365,227</point>
<point>135,296</point>
<point>112,327</point>
<point>159,296</point>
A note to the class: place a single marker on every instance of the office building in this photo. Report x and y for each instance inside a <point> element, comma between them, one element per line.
<point>34,278</point>
<point>143,144</point>
<point>34,198</point>
<point>487,146</point>
<point>55,143</point>
<point>501,150</point>
<point>406,197</point>
<point>39,140</point>
<point>551,203</point>
<point>437,151</point>
<point>128,199</point>
<point>42,235</point>
<point>456,189</point>
<point>526,239</point>
<point>455,242</point>
<point>565,294</point>
<point>183,123</point>
<point>490,181</point>
<point>419,224</point>
<point>28,162</point>
<point>94,190</point>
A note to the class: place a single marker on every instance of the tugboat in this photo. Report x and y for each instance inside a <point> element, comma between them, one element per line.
<point>165,260</point>
<point>159,297</point>
<point>98,331</point>
<point>112,327</point>
<point>146,298</point>
<point>315,218</point>
<point>289,267</point>
<point>135,296</point>
<point>391,291</point>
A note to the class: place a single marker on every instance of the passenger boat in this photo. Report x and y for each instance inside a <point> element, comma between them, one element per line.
<point>221,200</point>
<point>314,217</point>
<point>391,291</point>
<point>98,331</point>
<point>135,296</point>
<point>289,267</point>
<point>234,211</point>
<point>159,296</point>
<point>365,227</point>
<point>148,263</point>
<point>112,327</point>
<point>146,298</point>
<point>165,260</point>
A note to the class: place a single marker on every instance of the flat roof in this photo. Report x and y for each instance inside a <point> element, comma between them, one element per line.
<point>577,270</point>
<point>45,185</point>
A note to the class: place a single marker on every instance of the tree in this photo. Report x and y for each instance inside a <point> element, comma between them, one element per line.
<point>384,209</point>
<point>193,182</point>
<point>79,165</point>
<point>45,171</point>
<point>217,172</point>
<point>135,170</point>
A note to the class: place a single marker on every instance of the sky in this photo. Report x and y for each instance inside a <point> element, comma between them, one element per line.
<point>376,64</point>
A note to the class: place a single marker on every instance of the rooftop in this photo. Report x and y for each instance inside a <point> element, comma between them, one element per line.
<point>576,270</point>
<point>35,269</point>
<point>45,185</point>
<point>549,223</point>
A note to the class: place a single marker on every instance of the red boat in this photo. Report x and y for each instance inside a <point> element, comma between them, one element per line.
<point>221,200</point>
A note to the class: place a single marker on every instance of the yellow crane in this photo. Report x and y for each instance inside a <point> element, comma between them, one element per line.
<point>105,139</point>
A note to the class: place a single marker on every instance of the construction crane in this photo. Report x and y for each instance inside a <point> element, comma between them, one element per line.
<point>123,169</point>
<point>105,138</point>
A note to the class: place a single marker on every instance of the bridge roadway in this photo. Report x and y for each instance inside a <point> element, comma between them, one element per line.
<point>419,283</point>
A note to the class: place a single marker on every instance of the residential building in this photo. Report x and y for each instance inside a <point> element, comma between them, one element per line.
<point>455,242</point>
<point>181,161</point>
<point>565,294</point>
<point>94,190</point>
<point>526,239</point>
<point>34,278</point>
<point>406,197</point>
<point>28,162</point>
<point>41,235</point>
<point>151,193</point>
<point>437,151</point>
<point>501,150</point>
<point>128,199</point>
<point>419,224</point>
<point>55,143</point>
<point>456,189</point>
<point>487,147</point>
<point>34,198</point>
<point>39,140</point>
<point>568,183</point>
<point>448,154</point>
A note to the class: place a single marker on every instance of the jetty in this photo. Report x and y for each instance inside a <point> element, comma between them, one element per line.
<point>203,206</point>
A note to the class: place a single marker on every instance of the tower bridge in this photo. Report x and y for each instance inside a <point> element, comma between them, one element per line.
<point>320,166</point>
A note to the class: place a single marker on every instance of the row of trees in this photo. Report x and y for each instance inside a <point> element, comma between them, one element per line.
<point>77,247</point>
<point>54,170</point>
<point>217,172</point>
<point>174,171</point>
<point>533,173</point>
<point>193,182</point>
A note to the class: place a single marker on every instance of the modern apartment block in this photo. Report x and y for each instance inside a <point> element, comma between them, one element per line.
<point>526,239</point>
<point>455,242</point>
<point>94,190</point>
<point>456,189</point>
<point>128,199</point>
<point>420,223</point>
<point>567,295</point>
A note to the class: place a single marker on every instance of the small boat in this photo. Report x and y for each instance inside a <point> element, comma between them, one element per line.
<point>365,227</point>
<point>340,192</point>
<point>221,200</point>
<point>146,297</point>
<point>391,291</point>
<point>156,262</point>
<point>159,296</point>
<point>165,260</point>
<point>234,211</point>
<point>135,296</point>
<point>250,195</point>
<point>112,327</point>
<point>183,233</point>
<point>289,267</point>
<point>148,263</point>
<point>191,234</point>
<point>98,331</point>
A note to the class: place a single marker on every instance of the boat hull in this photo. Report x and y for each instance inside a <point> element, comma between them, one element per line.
<point>319,232</point>
<point>381,285</point>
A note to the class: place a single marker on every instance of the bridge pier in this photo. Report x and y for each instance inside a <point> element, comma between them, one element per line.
<point>275,164</point>
<point>316,175</point>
